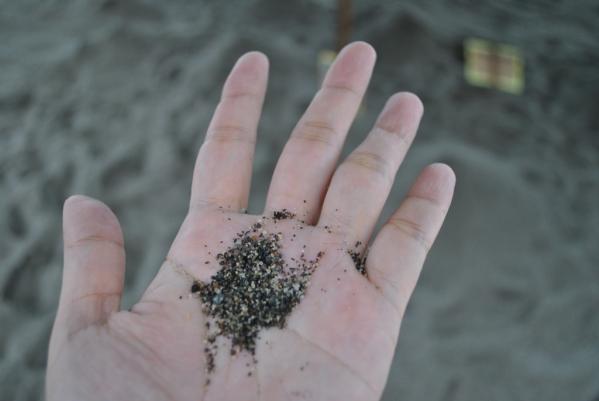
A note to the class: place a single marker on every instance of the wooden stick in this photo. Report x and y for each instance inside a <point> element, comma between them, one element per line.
<point>343,23</point>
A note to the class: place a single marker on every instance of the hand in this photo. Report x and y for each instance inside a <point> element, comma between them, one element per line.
<point>339,341</point>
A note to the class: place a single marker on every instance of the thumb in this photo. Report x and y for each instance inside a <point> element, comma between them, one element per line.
<point>94,265</point>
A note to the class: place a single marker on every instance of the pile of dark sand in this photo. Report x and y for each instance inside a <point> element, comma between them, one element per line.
<point>255,288</point>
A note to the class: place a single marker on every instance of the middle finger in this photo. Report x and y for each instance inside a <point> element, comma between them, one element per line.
<point>309,158</point>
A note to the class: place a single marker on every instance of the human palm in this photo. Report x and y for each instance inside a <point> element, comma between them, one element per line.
<point>338,342</point>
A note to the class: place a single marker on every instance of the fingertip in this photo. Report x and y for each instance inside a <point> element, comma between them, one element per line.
<point>407,100</point>
<point>256,57</point>
<point>361,53</point>
<point>72,199</point>
<point>352,67</point>
<point>444,173</point>
<point>402,114</point>
<point>253,62</point>
<point>84,217</point>
<point>249,75</point>
<point>82,203</point>
<point>364,48</point>
<point>436,182</point>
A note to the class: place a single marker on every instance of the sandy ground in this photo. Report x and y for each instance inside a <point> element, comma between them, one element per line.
<point>110,99</point>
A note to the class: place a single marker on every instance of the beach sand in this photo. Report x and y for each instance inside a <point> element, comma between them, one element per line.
<point>111,99</point>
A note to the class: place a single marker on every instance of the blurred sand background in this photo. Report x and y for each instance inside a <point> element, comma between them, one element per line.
<point>111,98</point>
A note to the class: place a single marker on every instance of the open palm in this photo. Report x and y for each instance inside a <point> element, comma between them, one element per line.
<point>338,342</point>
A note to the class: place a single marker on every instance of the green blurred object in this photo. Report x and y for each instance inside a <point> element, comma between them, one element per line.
<point>493,65</point>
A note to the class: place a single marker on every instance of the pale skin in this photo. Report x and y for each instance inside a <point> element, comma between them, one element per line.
<point>338,343</point>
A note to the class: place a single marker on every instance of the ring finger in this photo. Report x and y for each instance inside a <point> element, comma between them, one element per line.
<point>361,184</point>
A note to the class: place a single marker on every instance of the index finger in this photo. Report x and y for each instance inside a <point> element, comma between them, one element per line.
<point>223,170</point>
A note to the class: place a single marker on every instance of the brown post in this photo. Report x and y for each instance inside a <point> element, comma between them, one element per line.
<point>343,23</point>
